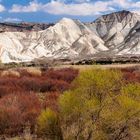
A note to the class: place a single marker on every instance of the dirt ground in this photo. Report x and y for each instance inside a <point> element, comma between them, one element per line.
<point>84,67</point>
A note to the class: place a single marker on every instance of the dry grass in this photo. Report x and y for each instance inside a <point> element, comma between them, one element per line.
<point>87,67</point>
<point>33,71</point>
<point>10,73</point>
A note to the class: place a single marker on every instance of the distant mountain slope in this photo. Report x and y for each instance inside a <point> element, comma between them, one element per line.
<point>107,25</point>
<point>21,27</point>
<point>117,31</point>
<point>66,39</point>
<point>117,34</point>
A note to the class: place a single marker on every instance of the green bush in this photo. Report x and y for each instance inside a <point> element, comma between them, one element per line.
<point>48,125</point>
<point>100,107</point>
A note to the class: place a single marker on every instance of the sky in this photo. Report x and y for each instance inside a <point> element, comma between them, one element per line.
<point>53,10</point>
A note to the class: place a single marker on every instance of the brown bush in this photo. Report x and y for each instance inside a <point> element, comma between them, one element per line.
<point>131,75</point>
<point>51,101</point>
<point>67,74</point>
<point>19,102</point>
<point>17,110</point>
<point>53,85</point>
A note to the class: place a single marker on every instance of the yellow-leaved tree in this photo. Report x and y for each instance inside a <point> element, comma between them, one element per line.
<point>48,125</point>
<point>99,106</point>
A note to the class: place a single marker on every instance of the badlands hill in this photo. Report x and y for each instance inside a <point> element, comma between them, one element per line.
<point>112,35</point>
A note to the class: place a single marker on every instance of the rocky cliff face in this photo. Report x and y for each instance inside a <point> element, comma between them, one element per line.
<point>114,34</point>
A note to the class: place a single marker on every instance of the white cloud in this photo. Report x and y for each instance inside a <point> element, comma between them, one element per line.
<point>33,6</point>
<point>2,8</point>
<point>122,3</point>
<point>127,3</point>
<point>59,7</point>
<point>82,1</point>
<point>77,7</point>
<point>84,9</point>
<point>9,19</point>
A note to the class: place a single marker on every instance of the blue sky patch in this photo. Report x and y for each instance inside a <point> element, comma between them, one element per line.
<point>54,10</point>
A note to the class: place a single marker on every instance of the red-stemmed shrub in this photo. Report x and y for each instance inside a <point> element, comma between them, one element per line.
<point>18,109</point>
<point>54,85</point>
<point>66,74</point>
<point>30,84</point>
<point>20,102</point>
<point>131,75</point>
<point>51,101</point>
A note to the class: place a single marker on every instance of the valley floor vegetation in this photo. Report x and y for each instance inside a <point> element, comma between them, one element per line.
<point>65,104</point>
